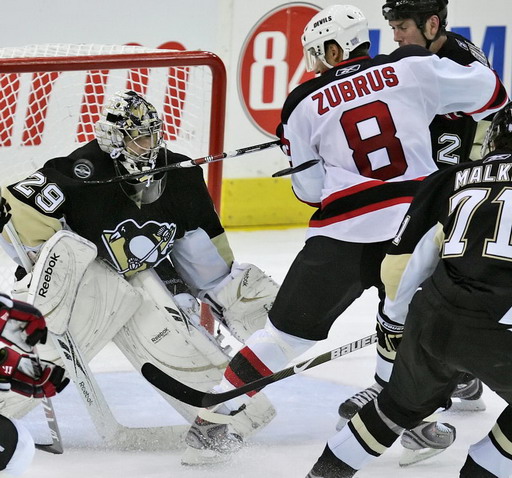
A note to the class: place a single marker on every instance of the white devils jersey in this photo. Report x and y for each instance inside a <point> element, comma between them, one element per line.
<point>367,120</point>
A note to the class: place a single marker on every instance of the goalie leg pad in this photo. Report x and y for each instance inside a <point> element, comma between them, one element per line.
<point>161,334</point>
<point>103,304</point>
<point>56,277</point>
<point>243,299</point>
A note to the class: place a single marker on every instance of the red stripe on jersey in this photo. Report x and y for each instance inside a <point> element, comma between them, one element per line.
<point>352,190</point>
<point>361,211</point>
<point>490,104</point>
<point>358,188</point>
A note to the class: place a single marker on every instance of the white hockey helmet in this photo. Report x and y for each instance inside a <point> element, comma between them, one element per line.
<point>344,24</point>
<point>124,121</point>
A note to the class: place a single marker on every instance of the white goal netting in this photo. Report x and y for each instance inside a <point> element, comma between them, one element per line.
<point>51,96</point>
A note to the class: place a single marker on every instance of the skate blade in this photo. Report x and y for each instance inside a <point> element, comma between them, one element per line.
<point>460,405</point>
<point>410,457</point>
<point>341,423</point>
<point>195,457</point>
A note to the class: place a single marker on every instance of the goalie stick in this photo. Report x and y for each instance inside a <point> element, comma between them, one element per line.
<point>49,412</point>
<point>197,398</point>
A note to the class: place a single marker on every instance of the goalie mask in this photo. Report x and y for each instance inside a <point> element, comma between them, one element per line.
<point>130,131</point>
<point>344,24</point>
<point>499,133</point>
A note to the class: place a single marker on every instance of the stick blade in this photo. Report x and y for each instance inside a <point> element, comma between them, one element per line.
<point>296,169</point>
<point>171,386</point>
<point>55,448</point>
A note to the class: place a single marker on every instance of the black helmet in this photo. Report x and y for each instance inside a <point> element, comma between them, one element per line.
<point>499,134</point>
<point>418,10</point>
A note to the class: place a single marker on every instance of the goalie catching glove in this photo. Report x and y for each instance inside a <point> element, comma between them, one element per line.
<point>242,300</point>
<point>29,376</point>
<point>21,324</point>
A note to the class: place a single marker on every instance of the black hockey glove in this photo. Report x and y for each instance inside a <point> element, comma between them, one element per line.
<point>5,215</point>
<point>389,336</point>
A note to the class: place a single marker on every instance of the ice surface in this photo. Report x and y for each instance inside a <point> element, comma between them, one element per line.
<point>288,447</point>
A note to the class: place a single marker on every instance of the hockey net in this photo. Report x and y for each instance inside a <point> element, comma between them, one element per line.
<point>51,96</point>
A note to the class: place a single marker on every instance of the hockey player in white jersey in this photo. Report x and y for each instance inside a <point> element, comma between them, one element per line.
<point>455,138</point>
<point>105,257</point>
<point>367,121</point>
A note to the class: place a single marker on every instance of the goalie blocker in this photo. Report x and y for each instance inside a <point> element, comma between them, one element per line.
<point>241,301</point>
<point>88,300</point>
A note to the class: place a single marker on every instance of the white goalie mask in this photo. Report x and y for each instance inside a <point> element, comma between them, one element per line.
<point>130,130</point>
<point>344,24</point>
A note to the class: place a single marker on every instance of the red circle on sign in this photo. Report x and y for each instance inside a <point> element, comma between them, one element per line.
<point>271,63</point>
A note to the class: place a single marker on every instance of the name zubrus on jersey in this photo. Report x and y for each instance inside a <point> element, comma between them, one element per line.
<point>47,277</point>
<point>355,87</point>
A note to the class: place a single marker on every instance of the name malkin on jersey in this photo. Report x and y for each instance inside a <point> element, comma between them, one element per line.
<point>483,174</point>
<point>355,87</point>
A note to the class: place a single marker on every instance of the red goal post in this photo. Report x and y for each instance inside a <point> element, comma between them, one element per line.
<point>51,96</point>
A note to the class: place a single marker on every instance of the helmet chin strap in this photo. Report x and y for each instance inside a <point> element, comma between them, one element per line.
<point>428,42</point>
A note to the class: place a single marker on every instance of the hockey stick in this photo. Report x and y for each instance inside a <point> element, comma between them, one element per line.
<point>189,163</point>
<point>109,428</point>
<point>197,398</point>
<point>49,412</point>
<point>296,169</point>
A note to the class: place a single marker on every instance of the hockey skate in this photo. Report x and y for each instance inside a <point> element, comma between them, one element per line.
<point>353,404</point>
<point>468,396</point>
<point>209,443</point>
<point>424,441</point>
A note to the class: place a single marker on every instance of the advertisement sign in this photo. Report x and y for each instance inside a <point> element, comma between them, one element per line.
<point>272,64</point>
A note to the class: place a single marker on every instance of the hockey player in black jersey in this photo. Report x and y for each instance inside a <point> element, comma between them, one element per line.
<point>453,257</point>
<point>162,236</point>
<point>455,138</point>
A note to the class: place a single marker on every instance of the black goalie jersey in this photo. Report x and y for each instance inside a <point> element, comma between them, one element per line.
<point>129,235</point>
<point>459,225</point>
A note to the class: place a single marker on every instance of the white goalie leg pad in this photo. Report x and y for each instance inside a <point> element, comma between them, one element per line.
<point>56,276</point>
<point>103,302</point>
<point>244,297</point>
<point>159,333</point>
<point>257,413</point>
<point>181,347</point>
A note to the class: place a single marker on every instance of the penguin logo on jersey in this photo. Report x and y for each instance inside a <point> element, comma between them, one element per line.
<point>134,248</point>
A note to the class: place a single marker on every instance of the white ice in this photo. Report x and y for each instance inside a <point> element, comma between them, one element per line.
<point>306,405</point>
